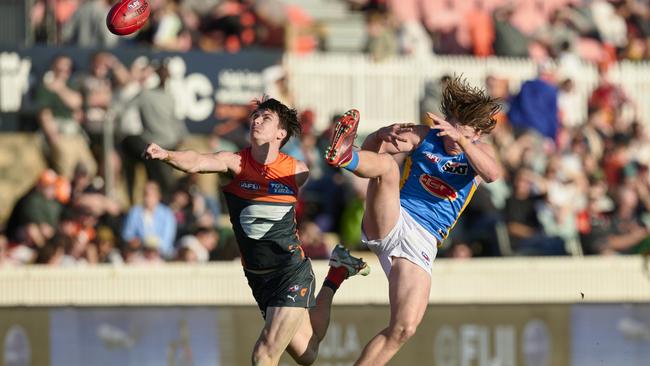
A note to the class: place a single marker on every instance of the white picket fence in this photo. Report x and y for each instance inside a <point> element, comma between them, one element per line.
<point>390,91</point>
<point>514,280</point>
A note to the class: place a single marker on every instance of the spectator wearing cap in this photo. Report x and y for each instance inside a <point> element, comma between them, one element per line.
<point>152,224</point>
<point>36,215</point>
<point>107,251</point>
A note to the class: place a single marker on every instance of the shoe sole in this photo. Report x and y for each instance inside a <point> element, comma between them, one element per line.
<point>341,129</point>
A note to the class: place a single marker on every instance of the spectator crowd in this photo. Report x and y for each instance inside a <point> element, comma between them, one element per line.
<point>572,186</point>
<point>599,31</point>
<point>593,30</point>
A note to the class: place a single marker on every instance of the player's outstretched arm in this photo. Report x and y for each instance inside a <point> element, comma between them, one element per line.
<point>195,162</point>
<point>396,138</point>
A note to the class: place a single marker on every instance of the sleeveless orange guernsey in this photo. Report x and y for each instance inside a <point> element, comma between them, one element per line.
<point>261,201</point>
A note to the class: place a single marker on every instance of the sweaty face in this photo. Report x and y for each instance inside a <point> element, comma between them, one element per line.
<point>265,127</point>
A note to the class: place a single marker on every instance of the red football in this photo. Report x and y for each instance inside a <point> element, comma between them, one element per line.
<point>127,16</point>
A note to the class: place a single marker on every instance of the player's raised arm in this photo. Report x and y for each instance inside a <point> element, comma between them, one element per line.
<point>195,162</point>
<point>481,156</point>
<point>396,138</point>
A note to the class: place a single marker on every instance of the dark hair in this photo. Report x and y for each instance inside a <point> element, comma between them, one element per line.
<point>468,105</point>
<point>288,116</point>
<point>52,247</point>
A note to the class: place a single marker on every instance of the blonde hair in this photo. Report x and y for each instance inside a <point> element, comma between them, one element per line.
<point>469,106</point>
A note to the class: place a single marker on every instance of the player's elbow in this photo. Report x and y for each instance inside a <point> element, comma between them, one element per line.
<point>493,175</point>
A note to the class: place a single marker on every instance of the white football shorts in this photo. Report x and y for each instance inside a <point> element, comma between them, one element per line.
<point>407,239</point>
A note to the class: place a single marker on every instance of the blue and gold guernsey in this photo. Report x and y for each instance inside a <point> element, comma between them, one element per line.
<point>436,186</point>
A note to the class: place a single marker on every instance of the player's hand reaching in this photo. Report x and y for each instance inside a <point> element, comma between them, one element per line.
<point>445,128</point>
<point>155,152</point>
<point>391,134</point>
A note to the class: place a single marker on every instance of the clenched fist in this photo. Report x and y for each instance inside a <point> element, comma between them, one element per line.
<point>155,152</point>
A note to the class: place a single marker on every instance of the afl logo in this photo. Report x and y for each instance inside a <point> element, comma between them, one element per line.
<point>249,186</point>
<point>438,187</point>
<point>431,157</point>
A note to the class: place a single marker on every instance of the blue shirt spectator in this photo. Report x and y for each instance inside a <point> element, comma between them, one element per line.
<point>152,224</point>
<point>536,107</point>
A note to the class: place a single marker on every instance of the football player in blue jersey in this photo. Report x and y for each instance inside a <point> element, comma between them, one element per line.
<point>407,218</point>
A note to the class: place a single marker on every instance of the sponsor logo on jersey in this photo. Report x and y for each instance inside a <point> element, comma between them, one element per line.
<point>438,187</point>
<point>279,188</point>
<point>249,186</point>
<point>454,167</point>
<point>294,288</point>
<point>431,157</point>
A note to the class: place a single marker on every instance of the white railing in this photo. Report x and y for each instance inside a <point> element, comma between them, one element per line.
<point>478,281</point>
<point>390,91</point>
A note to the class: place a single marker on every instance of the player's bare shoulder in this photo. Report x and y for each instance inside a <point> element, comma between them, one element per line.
<point>302,172</point>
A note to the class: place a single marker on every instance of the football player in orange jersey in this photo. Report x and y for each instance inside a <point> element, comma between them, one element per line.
<point>261,187</point>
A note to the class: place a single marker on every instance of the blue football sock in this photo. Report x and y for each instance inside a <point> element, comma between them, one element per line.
<point>353,163</point>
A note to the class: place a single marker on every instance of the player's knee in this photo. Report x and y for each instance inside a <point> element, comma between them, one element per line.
<point>263,354</point>
<point>390,166</point>
<point>402,331</point>
<point>260,357</point>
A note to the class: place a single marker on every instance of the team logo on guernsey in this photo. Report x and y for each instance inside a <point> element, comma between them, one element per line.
<point>454,167</point>
<point>438,187</point>
<point>249,186</point>
<point>279,188</point>
<point>431,157</point>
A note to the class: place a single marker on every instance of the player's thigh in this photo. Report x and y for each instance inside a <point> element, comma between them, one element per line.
<point>304,341</point>
<point>282,323</point>
<point>409,288</point>
<point>382,203</point>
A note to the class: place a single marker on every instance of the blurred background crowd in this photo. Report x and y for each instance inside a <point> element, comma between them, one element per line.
<point>594,30</point>
<point>573,185</point>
